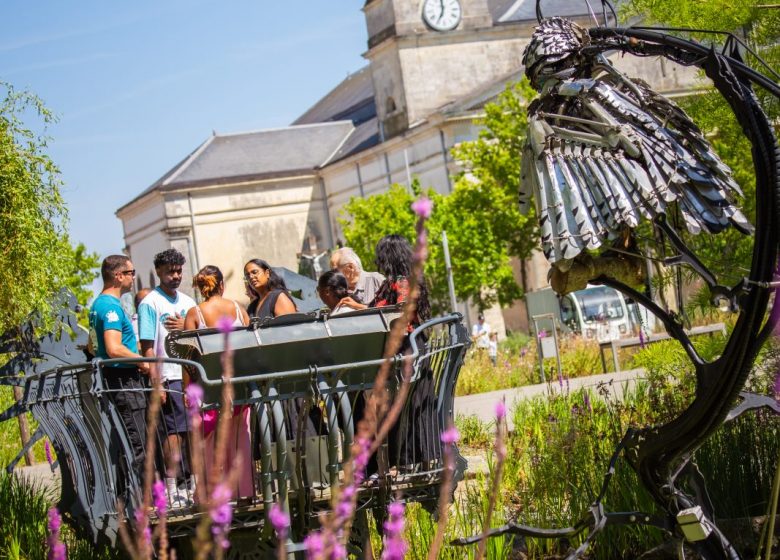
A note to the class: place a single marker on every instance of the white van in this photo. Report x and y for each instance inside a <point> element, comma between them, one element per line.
<point>597,312</point>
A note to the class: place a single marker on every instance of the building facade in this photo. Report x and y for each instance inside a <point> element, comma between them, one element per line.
<point>277,193</point>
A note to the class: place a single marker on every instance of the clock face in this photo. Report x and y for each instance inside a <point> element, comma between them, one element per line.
<point>442,15</point>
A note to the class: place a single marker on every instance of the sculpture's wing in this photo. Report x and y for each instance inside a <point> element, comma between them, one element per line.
<point>598,159</point>
<point>700,180</point>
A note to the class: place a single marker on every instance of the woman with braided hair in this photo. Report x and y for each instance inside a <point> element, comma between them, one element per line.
<point>211,285</point>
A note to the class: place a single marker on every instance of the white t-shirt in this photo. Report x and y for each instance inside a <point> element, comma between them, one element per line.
<point>492,348</point>
<point>154,309</point>
<point>482,334</point>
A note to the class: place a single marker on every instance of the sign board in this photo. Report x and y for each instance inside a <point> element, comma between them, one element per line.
<point>549,348</point>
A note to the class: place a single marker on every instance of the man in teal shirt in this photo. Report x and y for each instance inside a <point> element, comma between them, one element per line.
<point>115,338</point>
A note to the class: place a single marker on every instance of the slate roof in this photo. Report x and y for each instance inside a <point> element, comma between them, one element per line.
<point>225,158</point>
<point>507,11</point>
<point>352,99</point>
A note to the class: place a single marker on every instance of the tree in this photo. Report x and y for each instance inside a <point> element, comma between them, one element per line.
<point>36,256</point>
<point>484,226</point>
<point>729,253</point>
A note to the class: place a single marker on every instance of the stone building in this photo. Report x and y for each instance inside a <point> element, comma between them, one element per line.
<point>276,193</point>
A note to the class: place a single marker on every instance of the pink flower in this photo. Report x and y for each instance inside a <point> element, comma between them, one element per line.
<point>450,436</point>
<point>394,544</point>
<point>423,207</point>
<point>194,394</point>
<point>47,449</point>
<point>542,333</point>
<point>500,410</point>
<point>225,324</point>
<point>221,514</point>
<point>55,521</point>
<point>314,545</point>
<point>280,521</point>
<point>142,524</point>
<point>57,549</point>
<point>158,496</point>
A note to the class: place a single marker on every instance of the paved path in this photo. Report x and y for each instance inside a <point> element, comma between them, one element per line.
<point>482,405</point>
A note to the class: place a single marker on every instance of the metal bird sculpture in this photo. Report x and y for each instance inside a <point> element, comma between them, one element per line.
<point>604,151</point>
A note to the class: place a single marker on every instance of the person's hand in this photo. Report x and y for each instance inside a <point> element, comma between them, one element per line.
<point>144,367</point>
<point>174,323</point>
<point>351,303</point>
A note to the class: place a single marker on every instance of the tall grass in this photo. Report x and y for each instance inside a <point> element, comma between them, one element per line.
<point>518,365</point>
<point>23,507</point>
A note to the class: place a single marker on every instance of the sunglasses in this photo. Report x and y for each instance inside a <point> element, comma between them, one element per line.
<point>130,272</point>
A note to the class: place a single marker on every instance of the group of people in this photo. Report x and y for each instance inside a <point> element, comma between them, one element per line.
<point>346,287</point>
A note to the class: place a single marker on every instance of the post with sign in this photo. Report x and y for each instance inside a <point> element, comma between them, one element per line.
<point>547,346</point>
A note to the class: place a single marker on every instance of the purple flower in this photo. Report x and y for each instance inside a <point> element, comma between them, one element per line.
<point>55,521</point>
<point>641,338</point>
<point>314,545</point>
<point>194,394</point>
<point>158,496</point>
<point>221,514</point>
<point>394,544</point>
<point>57,549</point>
<point>423,207</point>
<point>47,449</point>
<point>542,334</point>
<point>523,352</point>
<point>500,410</point>
<point>142,523</point>
<point>450,436</point>
<point>338,551</point>
<point>280,521</point>
<point>225,324</point>
<point>361,460</point>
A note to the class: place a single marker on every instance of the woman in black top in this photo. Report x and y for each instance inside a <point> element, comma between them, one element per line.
<point>271,298</point>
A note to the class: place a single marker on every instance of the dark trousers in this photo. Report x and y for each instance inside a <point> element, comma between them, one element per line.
<point>129,396</point>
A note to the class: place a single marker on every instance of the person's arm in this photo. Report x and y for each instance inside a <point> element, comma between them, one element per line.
<point>351,303</point>
<point>112,339</point>
<point>284,305</point>
<point>147,332</point>
<point>191,320</point>
<point>244,315</point>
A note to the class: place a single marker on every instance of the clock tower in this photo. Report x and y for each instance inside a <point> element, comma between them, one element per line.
<point>426,53</point>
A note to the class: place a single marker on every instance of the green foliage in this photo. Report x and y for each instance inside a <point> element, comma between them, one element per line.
<point>481,216</point>
<point>518,365</point>
<point>23,532</point>
<point>725,15</point>
<point>36,257</point>
<point>729,253</point>
<point>473,432</point>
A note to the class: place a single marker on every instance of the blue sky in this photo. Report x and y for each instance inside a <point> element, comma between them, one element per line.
<point>137,86</point>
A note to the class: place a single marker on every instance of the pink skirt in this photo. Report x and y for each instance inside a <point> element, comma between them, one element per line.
<point>239,445</point>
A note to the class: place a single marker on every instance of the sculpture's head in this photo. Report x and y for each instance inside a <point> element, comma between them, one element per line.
<point>553,50</point>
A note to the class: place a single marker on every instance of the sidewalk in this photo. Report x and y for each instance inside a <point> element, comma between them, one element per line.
<point>483,405</point>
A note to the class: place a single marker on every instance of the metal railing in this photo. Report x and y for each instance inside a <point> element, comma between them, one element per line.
<point>290,432</point>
